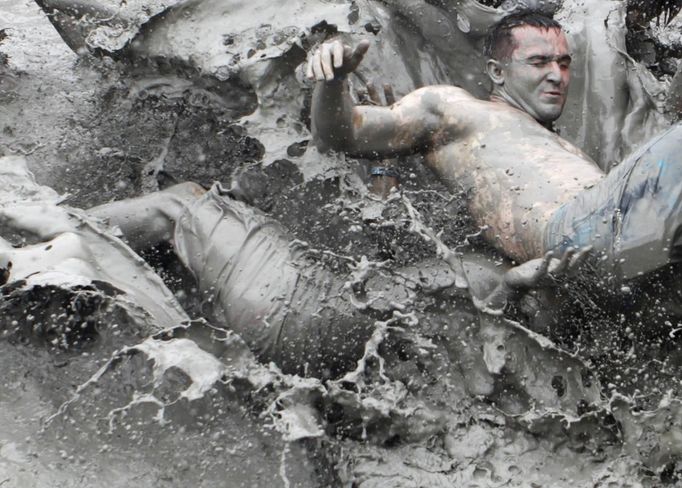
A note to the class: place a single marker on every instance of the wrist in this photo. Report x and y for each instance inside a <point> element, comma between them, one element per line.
<point>338,78</point>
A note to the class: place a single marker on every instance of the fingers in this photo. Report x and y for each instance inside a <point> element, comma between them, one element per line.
<point>309,73</point>
<point>388,94</point>
<point>347,53</point>
<point>542,271</point>
<point>373,93</point>
<point>374,97</point>
<point>359,52</point>
<point>544,265</point>
<point>334,57</point>
<point>326,61</point>
<point>562,265</point>
<point>572,259</point>
<point>320,66</point>
<point>579,258</point>
<point>316,67</point>
<point>337,53</point>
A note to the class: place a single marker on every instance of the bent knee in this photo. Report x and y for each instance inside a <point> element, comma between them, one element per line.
<point>171,203</point>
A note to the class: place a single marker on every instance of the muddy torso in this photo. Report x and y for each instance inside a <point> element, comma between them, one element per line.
<point>516,172</point>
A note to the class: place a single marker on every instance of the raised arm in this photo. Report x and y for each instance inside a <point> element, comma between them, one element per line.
<point>366,131</point>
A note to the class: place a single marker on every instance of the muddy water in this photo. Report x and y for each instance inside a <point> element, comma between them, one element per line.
<point>49,106</point>
<point>217,443</point>
<point>421,413</point>
<point>53,111</point>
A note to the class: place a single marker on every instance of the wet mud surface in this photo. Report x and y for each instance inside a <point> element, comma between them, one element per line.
<point>203,443</point>
<point>443,397</point>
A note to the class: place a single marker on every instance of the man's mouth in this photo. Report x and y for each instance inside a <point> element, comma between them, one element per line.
<point>553,94</point>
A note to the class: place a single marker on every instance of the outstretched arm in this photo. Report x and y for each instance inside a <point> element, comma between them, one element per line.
<point>364,131</point>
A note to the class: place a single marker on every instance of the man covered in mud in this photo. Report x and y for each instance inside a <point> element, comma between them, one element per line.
<point>530,189</point>
<point>252,277</point>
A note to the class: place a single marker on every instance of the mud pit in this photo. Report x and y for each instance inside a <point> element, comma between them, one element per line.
<point>436,402</point>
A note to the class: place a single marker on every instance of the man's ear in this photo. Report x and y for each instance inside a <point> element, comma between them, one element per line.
<point>495,71</point>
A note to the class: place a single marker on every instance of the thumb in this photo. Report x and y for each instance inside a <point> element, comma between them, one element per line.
<point>359,53</point>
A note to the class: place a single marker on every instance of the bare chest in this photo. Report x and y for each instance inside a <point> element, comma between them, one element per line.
<point>535,165</point>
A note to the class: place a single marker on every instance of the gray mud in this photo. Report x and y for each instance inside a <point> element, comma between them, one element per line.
<point>203,444</point>
<point>88,138</point>
<point>425,409</point>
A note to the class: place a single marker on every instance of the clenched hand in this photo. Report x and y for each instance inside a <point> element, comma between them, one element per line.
<point>334,59</point>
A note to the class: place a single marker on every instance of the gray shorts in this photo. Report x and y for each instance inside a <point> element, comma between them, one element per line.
<point>255,281</point>
<point>634,215</point>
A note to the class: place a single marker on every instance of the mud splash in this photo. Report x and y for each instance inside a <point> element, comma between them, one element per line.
<point>443,395</point>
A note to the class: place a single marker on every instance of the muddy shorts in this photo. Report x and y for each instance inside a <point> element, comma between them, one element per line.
<point>255,281</point>
<point>633,215</point>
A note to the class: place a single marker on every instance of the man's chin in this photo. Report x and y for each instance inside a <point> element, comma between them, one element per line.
<point>550,115</point>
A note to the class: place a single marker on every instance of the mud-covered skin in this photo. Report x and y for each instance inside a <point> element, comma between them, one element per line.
<point>531,190</point>
<point>506,347</point>
<point>534,76</point>
<point>44,245</point>
<point>516,172</point>
<point>70,251</point>
<point>516,175</point>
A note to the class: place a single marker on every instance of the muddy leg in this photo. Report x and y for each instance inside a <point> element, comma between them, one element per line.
<point>149,220</point>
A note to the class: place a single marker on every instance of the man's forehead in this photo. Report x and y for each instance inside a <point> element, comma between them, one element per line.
<point>531,40</point>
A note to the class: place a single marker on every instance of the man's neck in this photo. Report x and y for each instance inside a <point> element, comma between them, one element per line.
<point>501,97</point>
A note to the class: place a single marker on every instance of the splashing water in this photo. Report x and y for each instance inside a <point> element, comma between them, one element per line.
<point>445,394</point>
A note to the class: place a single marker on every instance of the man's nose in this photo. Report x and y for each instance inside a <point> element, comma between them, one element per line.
<point>554,72</point>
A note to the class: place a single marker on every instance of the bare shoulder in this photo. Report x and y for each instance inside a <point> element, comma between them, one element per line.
<point>448,108</point>
<point>422,118</point>
<point>439,97</point>
<point>449,111</point>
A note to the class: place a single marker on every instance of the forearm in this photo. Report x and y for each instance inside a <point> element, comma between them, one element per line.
<point>364,131</point>
<point>332,116</point>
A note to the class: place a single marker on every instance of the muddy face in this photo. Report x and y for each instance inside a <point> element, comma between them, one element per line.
<point>536,77</point>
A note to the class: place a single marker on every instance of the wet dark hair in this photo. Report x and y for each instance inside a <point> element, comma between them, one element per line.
<point>500,42</point>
